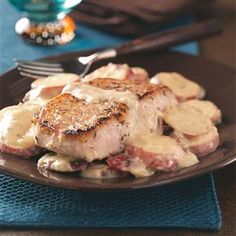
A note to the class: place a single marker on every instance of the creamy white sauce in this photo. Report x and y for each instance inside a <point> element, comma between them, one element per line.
<point>151,142</point>
<point>94,94</point>
<point>114,71</point>
<point>56,80</point>
<point>34,96</point>
<point>138,168</point>
<point>154,80</point>
<point>16,128</point>
<point>188,159</point>
<point>57,162</point>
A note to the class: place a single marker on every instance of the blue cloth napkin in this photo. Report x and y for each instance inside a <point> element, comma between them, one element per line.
<point>190,204</point>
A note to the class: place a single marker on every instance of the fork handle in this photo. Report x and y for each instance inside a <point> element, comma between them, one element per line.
<point>166,39</point>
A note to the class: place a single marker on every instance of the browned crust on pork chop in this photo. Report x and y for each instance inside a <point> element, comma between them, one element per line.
<point>141,90</point>
<point>75,117</point>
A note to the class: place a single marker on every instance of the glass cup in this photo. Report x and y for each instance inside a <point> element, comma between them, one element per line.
<point>46,21</point>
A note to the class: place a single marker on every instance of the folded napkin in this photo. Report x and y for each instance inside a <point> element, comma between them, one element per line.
<point>136,18</point>
<point>189,204</point>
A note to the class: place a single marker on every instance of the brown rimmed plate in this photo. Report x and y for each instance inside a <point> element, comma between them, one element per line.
<point>219,82</point>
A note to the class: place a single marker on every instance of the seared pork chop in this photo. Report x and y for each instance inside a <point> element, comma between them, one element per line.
<point>141,90</point>
<point>146,102</point>
<point>71,126</point>
<point>152,101</point>
<point>95,119</point>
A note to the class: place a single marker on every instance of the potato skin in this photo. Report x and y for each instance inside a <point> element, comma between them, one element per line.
<point>21,152</point>
<point>199,145</point>
<point>51,92</point>
<point>155,161</point>
<point>138,75</point>
<point>205,148</point>
<point>53,85</point>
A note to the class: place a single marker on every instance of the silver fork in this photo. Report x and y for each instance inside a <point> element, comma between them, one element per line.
<point>157,41</point>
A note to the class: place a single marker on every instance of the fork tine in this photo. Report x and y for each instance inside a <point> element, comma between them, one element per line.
<point>31,76</point>
<point>38,63</point>
<point>34,72</point>
<point>40,68</point>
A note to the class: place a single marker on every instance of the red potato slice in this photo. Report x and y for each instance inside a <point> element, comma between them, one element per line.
<point>16,131</point>
<point>160,152</point>
<point>138,75</point>
<point>61,163</point>
<point>187,121</point>
<point>53,85</point>
<point>183,88</point>
<point>21,152</point>
<point>135,166</point>
<point>102,171</point>
<point>150,153</point>
<point>36,96</point>
<point>43,90</point>
<point>113,71</point>
<point>200,145</point>
<point>60,79</point>
<point>208,108</point>
<point>119,162</point>
<point>120,72</point>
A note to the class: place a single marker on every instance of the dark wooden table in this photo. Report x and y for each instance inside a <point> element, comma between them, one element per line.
<point>222,49</point>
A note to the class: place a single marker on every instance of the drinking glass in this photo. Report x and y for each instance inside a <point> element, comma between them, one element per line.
<point>46,21</point>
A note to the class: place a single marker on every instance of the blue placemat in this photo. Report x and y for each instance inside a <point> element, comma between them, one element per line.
<point>191,204</point>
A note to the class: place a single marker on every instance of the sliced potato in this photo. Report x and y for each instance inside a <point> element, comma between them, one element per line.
<point>160,152</point>
<point>37,96</point>
<point>187,121</point>
<point>199,145</point>
<point>120,72</point>
<point>57,80</point>
<point>101,171</point>
<point>113,71</point>
<point>183,88</point>
<point>61,163</point>
<point>45,89</point>
<point>133,165</point>
<point>16,130</point>
<point>138,75</point>
<point>21,152</point>
<point>208,108</point>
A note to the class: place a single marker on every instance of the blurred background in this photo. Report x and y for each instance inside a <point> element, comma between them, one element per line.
<point>138,18</point>
<point>105,22</point>
<point>223,47</point>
